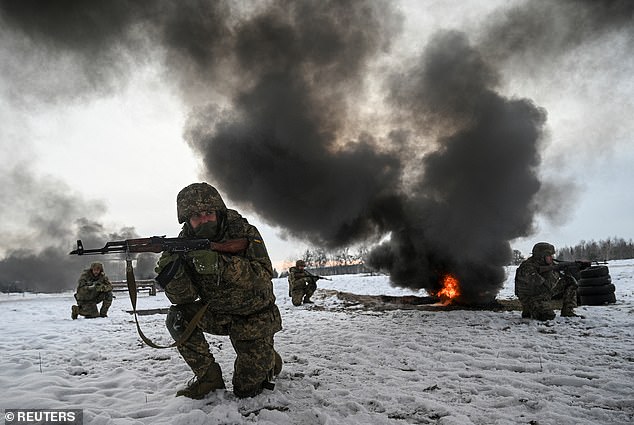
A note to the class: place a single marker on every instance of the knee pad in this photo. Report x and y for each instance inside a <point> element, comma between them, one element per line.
<point>175,322</point>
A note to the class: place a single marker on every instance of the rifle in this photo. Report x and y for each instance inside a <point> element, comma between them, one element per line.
<point>317,277</point>
<point>158,244</point>
<point>571,268</point>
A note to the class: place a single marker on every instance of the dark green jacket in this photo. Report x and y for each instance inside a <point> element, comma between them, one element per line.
<point>530,282</point>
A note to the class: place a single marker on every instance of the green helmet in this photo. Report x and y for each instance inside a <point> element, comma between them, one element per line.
<point>300,263</point>
<point>198,198</point>
<point>542,249</point>
<point>96,265</point>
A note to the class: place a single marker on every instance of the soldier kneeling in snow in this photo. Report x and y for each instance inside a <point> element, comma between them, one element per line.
<point>537,282</point>
<point>224,294</point>
<point>93,288</point>
<point>301,284</point>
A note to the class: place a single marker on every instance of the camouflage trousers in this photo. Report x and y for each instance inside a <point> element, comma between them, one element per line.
<point>89,309</point>
<point>539,306</point>
<point>251,338</point>
<point>302,289</point>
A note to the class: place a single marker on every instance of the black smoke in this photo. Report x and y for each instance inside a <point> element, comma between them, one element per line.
<point>536,33</point>
<point>285,117</point>
<point>463,202</point>
<point>301,64</point>
<point>42,218</point>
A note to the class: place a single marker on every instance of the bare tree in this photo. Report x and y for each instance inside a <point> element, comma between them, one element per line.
<point>608,249</point>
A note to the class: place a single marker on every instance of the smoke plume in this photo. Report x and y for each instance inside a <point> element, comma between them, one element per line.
<point>37,234</point>
<point>475,191</point>
<point>444,168</point>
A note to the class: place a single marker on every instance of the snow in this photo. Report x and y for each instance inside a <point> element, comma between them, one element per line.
<point>341,365</point>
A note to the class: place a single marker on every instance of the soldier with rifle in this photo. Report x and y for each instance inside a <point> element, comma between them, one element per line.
<point>301,283</point>
<point>540,277</point>
<point>217,274</point>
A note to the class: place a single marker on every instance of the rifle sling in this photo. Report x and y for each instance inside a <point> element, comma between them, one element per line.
<point>131,281</point>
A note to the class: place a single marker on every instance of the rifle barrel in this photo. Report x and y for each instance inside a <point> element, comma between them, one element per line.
<point>159,244</point>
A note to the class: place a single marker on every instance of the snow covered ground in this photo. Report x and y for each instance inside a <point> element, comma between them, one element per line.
<point>341,365</point>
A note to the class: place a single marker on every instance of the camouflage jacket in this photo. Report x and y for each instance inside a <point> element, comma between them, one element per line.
<point>241,284</point>
<point>297,275</point>
<point>530,282</point>
<point>89,286</point>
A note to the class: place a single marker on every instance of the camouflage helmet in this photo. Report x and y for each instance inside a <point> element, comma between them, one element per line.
<point>542,249</point>
<point>300,263</point>
<point>197,198</point>
<point>96,265</point>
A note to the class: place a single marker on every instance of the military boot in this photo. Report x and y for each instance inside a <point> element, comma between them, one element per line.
<point>569,312</point>
<point>269,384</point>
<point>277,367</point>
<point>307,301</point>
<point>568,307</point>
<point>543,315</point>
<point>198,388</point>
<point>103,311</point>
<point>526,314</point>
<point>74,312</point>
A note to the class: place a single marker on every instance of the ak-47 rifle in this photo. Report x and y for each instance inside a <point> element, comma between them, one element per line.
<point>317,277</point>
<point>571,268</point>
<point>158,244</point>
<point>567,268</point>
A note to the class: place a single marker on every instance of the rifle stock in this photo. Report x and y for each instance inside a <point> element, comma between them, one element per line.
<point>159,244</point>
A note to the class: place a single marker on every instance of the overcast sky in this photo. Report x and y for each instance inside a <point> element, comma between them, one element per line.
<point>91,129</point>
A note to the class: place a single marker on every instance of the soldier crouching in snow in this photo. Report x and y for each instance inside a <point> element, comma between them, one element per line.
<point>301,284</point>
<point>93,288</point>
<point>536,282</point>
<point>233,292</point>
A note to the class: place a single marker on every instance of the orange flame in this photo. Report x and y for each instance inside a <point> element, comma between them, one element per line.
<point>450,289</point>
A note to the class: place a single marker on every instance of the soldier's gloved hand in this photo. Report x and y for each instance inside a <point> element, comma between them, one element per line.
<point>165,260</point>
<point>169,267</point>
<point>571,281</point>
<point>102,287</point>
<point>205,261</point>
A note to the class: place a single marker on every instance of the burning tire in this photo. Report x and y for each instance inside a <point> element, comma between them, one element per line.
<point>594,271</point>
<point>595,290</point>
<point>598,299</point>
<point>595,281</point>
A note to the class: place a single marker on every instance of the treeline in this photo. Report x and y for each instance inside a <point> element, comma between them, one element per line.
<point>344,261</point>
<point>603,250</point>
<point>319,257</point>
<point>348,261</point>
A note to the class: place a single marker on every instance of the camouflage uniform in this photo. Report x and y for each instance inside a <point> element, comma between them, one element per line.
<point>239,293</point>
<point>92,290</point>
<point>536,283</point>
<point>302,285</point>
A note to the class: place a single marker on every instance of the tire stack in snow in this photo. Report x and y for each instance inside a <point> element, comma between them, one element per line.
<point>595,286</point>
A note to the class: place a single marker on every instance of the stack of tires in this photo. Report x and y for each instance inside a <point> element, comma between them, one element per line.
<point>595,286</point>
